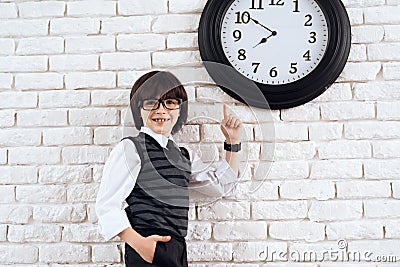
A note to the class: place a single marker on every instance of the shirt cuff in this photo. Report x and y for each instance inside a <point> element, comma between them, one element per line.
<point>225,173</point>
<point>112,223</point>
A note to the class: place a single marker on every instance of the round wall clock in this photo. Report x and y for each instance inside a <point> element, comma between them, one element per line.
<point>293,50</point>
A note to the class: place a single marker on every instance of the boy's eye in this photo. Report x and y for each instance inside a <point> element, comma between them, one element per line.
<point>150,102</point>
<point>171,101</point>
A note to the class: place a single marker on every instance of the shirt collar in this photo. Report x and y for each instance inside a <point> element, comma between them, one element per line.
<point>161,139</point>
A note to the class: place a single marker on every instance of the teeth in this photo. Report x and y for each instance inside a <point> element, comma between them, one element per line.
<point>158,120</point>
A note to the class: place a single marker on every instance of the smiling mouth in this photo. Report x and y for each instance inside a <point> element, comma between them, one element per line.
<point>160,120</point>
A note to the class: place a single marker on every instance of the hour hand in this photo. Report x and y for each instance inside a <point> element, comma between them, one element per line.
<point>264,40</point>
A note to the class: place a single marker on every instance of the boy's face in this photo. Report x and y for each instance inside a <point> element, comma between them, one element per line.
<point>161,120</point>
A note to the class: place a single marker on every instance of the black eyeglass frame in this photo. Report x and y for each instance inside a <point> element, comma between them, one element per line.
<point>141,102</point>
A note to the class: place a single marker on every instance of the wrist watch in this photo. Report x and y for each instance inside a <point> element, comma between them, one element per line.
<point>232,147</point>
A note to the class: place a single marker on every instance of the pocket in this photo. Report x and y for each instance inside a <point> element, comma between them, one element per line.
<point>168,254</point>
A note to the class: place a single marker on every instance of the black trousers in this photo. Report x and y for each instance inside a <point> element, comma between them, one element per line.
<point>167,254</point>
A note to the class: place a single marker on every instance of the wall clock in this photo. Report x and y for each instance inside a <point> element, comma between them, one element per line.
<point>293,50</point>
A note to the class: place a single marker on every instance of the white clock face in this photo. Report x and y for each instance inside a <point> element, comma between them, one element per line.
<point>274,42</point>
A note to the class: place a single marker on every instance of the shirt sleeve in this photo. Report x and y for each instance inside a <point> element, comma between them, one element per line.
<point>209,180</point>
<point>116,184</point>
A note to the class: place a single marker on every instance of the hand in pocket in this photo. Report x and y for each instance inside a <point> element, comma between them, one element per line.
<point>148,247</point>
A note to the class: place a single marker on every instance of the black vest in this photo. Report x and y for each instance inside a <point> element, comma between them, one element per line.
<point>159,202</point>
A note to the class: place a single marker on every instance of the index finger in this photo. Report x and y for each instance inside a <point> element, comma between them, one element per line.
<point>225,111</point>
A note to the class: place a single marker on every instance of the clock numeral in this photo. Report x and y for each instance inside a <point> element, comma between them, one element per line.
<point>293,68</point>
<point>296,6</point>
<point>313,37</point>
<point>253,4</point>
<point>237,35</point>
<point>273,72</point>
<point>308,22</point>
<point>242,18</point>
<point>242,54</point>
<point>307,55</point>
<point>277,3</point>
<point>256,68</point>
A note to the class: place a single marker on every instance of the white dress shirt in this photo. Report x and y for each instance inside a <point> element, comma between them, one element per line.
<point>121,171</point>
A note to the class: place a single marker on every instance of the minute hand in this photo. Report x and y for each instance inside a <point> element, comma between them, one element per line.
<point>265,27</point>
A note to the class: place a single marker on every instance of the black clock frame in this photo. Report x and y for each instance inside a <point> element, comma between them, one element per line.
<point>286,95</point>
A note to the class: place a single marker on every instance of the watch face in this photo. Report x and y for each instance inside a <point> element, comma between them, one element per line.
<point>274,42</point>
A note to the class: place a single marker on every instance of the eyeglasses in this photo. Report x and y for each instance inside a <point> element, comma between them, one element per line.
<point>153,104</point>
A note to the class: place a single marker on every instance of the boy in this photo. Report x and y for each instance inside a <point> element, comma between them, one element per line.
<point>153,175</point>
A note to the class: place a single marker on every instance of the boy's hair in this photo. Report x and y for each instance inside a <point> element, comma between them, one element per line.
<point>154,85</point>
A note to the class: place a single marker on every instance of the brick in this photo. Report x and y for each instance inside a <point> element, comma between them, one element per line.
<point>3,154</point>
<point>354,230</point>
<point>306,112</point>
<point>342,149</point>
<point>83,232</point>
<point>337,92</point>
<point>126,79</point>
<point>41,194</point>
<point>199,231</point>
<point>34,155</point>
<point>367,34</point>
<point>15,214</point>
<point>7,118</point>
<point>391,229</point>
<point>18,254</point>
<point>182,6</point>
<point>382,169</point>
<point>382,15</point>
<point>134,24</point>
<point>325,131</point>
<point>356,16</point>
<point>3,232</point>
<point>20,137</point>
<point>360,71</point>
<point>308,231</point>
<point>107,135</point>
<point>7,47</point>
<point>40,46</point>
<point>8,11</point>
<point>383,51</point>
<point>132,7</point>
<point>386,149</point>
<point>336,169</point>
<point>23,64</point>
<point>6,80</point>
<point>182,40</point>
<point>392,33</point>
<point>82,193</point>
<point>388,110</point>
<point>125,61</point>
<point>90,8</point>
<point>42,118</point>
<point>64,174</point>
<point>67,136</point>
<point>18,99</point>
<point>18,174</point>
<point>93,116</point>
<point>391,71</point>
<point>387,90</point>
<point>188,133</point>
<point>74,62</point>
<point>288,151</point>
<point>68,213</point>
<point>34,233</point>
<point>41,9</point>
<point>259,250</point>
<point>166,59</point>
<point>279,210</point>
<point>381,208</point>
<point>7,194</point>
<point>47,80</point>
<point>358,52</point>
<point>175,23</point>
<point>64,98</point>
<point>363,189</point>
<point>85,154</point>
<point>260,190</point>
<point>335,210</point>
<point>67,26</point>
<point>103,79</point>
<point>210,251</point>
<point>105,253</point>
<point>320,190</point>
<point>90,44</point>
<point>22,28</point>
<point>231,231</point>
<point>281,132</point>
<point>372,130</point>
<point>362,3</point>
<point>281,170</point>
<point>382,248</point>
<point>303,252</point>
<point>91,213</point>
<point>140,42</point>
<point>64,253</point>
<point>224,211</point>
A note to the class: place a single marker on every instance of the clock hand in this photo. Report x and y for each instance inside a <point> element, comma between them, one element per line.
<point>264,40</point>
<point>265,27</point>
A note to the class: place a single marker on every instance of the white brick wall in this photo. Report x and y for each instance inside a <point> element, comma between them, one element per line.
<point>333,164</point>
